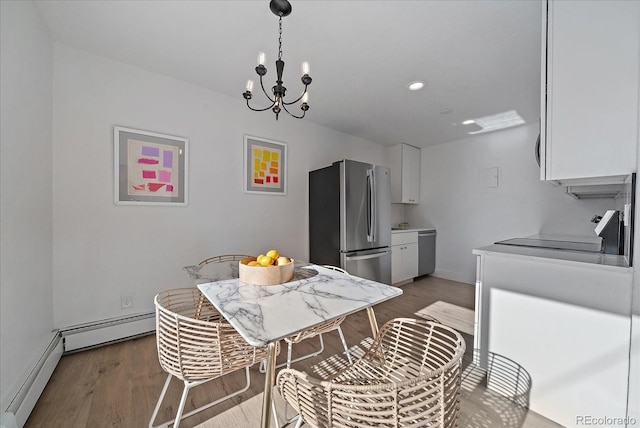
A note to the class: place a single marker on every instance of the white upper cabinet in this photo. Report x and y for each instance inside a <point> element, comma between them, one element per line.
<point>405,174</point>
<point>590,65</point>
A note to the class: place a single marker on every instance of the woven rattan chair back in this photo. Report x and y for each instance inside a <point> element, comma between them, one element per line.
<point>196,344</point>
<point>409,377</point>
<point>223,258</point>
<point>322,328</point>
<point>318,331</point>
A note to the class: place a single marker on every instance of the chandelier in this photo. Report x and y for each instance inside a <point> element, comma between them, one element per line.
<point>280,8</point>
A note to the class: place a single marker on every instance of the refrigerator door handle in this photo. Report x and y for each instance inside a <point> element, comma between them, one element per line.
<point>371,206</point>
<point>368,256</point>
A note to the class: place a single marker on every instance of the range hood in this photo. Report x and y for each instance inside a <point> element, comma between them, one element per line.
<point>600,187</point>
<point>596,191</point>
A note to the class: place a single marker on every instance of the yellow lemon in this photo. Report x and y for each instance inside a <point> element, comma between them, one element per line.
<point>266,261</point>
<point>274,254</point>
<point>253,263</point>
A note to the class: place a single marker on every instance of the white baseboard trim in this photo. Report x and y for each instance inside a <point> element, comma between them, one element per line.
<point>25,399</point>
<point>8,420</point>
<point>455,276</point>
<point>98,333</point>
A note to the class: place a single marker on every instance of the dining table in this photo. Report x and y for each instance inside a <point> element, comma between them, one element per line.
<point>265,314</point>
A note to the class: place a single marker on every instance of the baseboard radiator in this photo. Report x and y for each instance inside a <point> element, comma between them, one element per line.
<point>99,333</point>
<point>69,340</point>
<point>25,399</point>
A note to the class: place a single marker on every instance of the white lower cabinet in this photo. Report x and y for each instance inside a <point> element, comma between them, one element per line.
<point>404,256</point>
<point>565,326</point>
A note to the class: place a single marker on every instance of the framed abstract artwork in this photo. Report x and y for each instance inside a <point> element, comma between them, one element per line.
<point>149,168</point>
<point>265,166</point>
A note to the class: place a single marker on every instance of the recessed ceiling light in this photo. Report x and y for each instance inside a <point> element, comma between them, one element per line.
<point>416,86</point>
<point>497,121</point>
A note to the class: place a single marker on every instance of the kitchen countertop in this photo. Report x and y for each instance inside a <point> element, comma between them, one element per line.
<point>606,261</point>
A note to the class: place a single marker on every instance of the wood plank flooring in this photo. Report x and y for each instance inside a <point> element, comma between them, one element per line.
<point>118,385</point>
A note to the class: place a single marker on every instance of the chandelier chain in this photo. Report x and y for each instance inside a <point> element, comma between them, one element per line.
<point>280,38</point>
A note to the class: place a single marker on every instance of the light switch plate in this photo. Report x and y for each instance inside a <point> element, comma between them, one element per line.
<point>489,177</point>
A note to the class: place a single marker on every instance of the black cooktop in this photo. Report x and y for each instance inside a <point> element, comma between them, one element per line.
<point>589,247</point>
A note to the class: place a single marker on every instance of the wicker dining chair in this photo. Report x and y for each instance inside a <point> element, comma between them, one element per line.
<point>318,331</point>
<point>223,258</point>
<point>196,345</point>
<point>409,377</point>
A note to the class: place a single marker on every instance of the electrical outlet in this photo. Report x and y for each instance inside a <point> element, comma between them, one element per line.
<point>126,301</point>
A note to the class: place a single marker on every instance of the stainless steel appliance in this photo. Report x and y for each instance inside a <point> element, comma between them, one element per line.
<point>426,252</point>
<point>350,218</point>
<point>611,229</point>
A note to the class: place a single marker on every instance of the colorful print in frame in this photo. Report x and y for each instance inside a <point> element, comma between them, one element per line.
<point>265,166</point>
<point>150,168</point>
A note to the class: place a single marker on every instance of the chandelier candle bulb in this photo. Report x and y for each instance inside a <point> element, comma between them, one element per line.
<point>305,68</point>
<point>249,85</point>
<point>261,58</point>
<point>305,97</point>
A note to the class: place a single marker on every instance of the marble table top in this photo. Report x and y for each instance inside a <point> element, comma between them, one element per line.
<point>264,314</point>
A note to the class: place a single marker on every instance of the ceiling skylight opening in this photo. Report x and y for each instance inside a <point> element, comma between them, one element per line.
<point>495,122</point>
<point>416,85</point>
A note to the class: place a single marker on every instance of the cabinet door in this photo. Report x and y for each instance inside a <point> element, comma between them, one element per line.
<point>410,174</point>
<point>405,174</point>
<point>396,264</point>
<point>410,260</point>
<point>590,115</point>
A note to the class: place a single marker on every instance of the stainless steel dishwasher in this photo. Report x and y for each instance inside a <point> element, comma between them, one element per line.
<point>426,252</point>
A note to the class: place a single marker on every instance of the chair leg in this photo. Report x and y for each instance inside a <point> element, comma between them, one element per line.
<point>344,343</point>
<point>183,401</point>
<point>155,411</point>
<point>304,357</point>
<point>187,386</point>
<point>290,345</point>
<point>275,414</point>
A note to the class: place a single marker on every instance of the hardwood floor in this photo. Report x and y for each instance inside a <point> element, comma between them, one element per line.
<point>118,385</point>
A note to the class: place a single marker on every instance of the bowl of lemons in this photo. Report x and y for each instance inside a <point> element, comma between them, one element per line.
<point>269,268</point>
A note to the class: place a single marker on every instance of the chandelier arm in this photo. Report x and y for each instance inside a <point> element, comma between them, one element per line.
<point>265,92</point>
<point>260,109</point>
<point>291,114</point>
<point>298,99</point>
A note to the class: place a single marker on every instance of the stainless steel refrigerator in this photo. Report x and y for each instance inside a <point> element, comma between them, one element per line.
<point>350,218</point>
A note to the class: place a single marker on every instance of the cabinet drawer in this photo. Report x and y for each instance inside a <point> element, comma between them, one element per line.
<point>399,238</point>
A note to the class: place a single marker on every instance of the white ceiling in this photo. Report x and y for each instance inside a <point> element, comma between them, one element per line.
<point>478,57</point>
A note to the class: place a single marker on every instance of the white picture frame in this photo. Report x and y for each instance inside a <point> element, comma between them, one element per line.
<point>150,168</point>
<point>265,166</point>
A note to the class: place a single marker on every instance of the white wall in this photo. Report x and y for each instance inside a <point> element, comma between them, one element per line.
<point>26,316</point>
<point>468,215</point>
<point>102,250</point>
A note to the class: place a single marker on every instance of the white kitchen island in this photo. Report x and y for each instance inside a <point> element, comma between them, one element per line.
<point>565,318</point>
